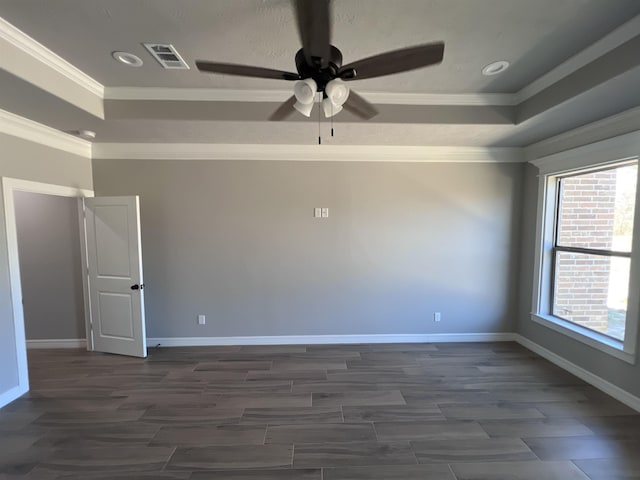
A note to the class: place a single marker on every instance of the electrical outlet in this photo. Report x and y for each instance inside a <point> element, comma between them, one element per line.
<point>437,316</point>
<point>202,320</point>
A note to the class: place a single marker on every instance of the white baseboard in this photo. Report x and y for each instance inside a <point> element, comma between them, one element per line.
<point>58,343</point>
<point>600,383</point>
<point>329,339</point>
<point>10,395</point>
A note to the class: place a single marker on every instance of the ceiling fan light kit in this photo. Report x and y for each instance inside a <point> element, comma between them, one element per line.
<point>330,109</point>
<point>305,93</point>
<point>320,70</point>
<point>304,108</point>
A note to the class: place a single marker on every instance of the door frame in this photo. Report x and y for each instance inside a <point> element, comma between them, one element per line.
<point>9,186</point>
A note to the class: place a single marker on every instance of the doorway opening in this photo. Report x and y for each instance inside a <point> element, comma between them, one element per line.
<point>111,272</point>
<point>11,188</point>
<point>51,270</point>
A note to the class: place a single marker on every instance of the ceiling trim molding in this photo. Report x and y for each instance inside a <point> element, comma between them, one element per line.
<point>628,117</point>
<point>615,149</point>
<point>601,47</point>
<point>26,129</point>
<point>24,42</point>
<point>231,95</point>
<point>35,49</point>
<point>306,153</point>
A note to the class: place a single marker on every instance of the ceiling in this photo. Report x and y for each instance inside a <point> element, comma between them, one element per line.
<point>262,32</point>
<point>451,104</point>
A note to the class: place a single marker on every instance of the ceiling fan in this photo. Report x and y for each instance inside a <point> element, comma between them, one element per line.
<point>320,69</point>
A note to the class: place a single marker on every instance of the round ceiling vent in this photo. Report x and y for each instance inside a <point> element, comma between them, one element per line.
<point>128,59</point>
<point>495,68</point>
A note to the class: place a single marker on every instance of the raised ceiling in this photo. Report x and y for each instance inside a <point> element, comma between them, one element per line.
<point>534,35</point>
<point>558,79</point>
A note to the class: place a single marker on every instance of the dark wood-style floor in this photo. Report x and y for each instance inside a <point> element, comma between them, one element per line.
<point>351,412</point>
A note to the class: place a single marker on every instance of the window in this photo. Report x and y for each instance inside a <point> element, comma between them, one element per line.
<point>587,263</point>
<point>592,248</point>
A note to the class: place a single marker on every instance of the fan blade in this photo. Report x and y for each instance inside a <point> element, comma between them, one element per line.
<point>315,30</point>
<point>359,106</point>
<point>245,70</point>
<point>395,61</point>
<point>283,110</point>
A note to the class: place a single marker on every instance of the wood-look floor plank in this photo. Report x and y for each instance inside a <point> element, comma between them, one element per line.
<point>287,375</point>
<point>472,450</point>
<point>391,413</point>
<point>489,412</point>
<point>291,415</point>
<point>623,426</point>
<point>347,454</point>
<point>241,457</point>
<point>318,386</point>
<point>533,470</point>
<point>159,475</point>
<point>442,430</point>
<point>118,434</point>
<point>267,386</point>
<point>401,347</point>
<point>377,397</point>
<point>581,448</point>
<point>244,366</point>
<point>278,349</point>
<point>311,364</point>
<point>210,435</point>
<point>265,400</point>
<point>88,417</point>
<point>99,459</point>
<point>584,409</point>
<point>291,474</point>
<point>320,433</point>
<point>627,468</point>
<point>192,415</point>
<point>394,472</point>
<point>545,427</point>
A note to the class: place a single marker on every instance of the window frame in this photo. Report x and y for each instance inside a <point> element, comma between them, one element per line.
<point>594,157</point>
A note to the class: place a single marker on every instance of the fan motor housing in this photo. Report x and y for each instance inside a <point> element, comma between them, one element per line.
<point>321,76</point>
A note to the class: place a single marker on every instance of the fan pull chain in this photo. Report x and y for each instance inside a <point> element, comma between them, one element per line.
<point>332,119</point>
<point>319,108</point>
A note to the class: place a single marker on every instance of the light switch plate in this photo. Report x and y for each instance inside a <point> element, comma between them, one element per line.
<point>317,212</point>
<point>202,320</point>
<point>325,212</point>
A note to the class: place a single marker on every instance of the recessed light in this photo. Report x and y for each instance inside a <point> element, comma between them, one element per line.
<point>128,59</point>
<point>495,68</point>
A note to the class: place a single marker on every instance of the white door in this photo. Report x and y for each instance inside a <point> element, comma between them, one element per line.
<point>114,255</point>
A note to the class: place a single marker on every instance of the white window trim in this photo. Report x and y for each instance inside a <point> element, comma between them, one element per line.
<point>596,155</point>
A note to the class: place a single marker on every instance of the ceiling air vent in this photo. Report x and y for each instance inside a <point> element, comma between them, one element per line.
<point>167,56</point>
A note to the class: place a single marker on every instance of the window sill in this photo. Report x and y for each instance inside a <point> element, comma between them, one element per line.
<point>595,340</point>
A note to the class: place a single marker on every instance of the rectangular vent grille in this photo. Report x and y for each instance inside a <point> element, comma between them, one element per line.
<point>167,56</point>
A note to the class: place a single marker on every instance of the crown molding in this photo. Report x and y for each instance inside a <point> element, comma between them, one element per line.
<point>24,42</point>
<point>622,122</point>
<point>231,95</point>
<point>601,47</point>
<point>305,153</point>
<point>26,129</point>
<point>615,149</point>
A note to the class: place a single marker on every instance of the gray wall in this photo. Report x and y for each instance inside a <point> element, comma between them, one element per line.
<point>236,240</point>
<point>50,266</point>
<point>26,160</point>
<point>616,371</point>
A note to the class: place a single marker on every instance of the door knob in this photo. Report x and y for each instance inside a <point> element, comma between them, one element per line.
<point>137,287</point>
